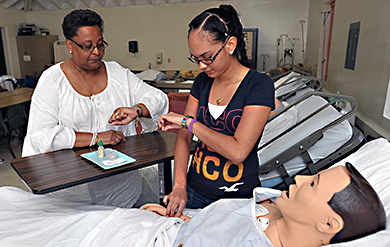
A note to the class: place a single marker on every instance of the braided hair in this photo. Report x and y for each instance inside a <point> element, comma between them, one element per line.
<point>223,22</point>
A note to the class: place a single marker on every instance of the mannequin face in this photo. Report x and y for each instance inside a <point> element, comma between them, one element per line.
<point>307,200</point>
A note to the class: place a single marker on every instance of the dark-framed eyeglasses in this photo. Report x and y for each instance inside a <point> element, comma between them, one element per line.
<point>91,47</point>
<point>207,61</point>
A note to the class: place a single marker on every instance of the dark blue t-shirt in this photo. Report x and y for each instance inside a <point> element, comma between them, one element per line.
<point>211,174</point>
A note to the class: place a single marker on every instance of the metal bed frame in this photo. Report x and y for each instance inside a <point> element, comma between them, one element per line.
<point>300,147</point>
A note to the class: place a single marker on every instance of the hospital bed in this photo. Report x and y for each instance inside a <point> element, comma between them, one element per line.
<point>289,68</point>
<point>293,84</point>
<point>308,135</point>
<point>32,220</point>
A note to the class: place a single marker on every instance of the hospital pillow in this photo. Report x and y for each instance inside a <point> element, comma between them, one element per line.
<point>286,79</point>
<point>373,162</point>
<point>279,125</point>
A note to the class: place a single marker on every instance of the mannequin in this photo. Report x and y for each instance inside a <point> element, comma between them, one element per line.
<point>336,205</point>
<point>303,215</point>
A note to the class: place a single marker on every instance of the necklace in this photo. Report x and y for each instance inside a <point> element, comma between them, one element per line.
<point>82,79</point>
<point>236,82</point>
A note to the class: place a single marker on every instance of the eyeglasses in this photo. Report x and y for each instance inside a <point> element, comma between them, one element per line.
<point>91,47</point>
<point>207,61</point>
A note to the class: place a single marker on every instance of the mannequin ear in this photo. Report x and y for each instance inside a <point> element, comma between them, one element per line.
<point>332,225</point>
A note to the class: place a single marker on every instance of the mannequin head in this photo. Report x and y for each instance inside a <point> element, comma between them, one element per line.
<point>359,206</point>
<point>335,205</point>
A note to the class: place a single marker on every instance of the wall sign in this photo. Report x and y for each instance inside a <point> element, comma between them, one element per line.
<point>353,38</point>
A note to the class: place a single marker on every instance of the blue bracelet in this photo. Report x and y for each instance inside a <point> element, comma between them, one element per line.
<point>141,112</point>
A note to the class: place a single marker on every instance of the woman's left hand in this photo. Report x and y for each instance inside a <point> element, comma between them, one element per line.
<point>170,121</point>
<point>123,115</point>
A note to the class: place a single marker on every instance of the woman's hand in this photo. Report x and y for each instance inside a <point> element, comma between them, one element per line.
<point>111,137</point>
<point>177,200</point>
<point>170,121</point>
<point>123,115</point>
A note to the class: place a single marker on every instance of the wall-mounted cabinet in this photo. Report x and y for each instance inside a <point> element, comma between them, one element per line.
<point>35,53</point>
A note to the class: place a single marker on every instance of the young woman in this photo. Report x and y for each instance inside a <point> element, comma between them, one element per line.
<point>227,110</point>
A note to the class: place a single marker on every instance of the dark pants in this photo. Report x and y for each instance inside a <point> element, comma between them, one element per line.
<point>196,200</point>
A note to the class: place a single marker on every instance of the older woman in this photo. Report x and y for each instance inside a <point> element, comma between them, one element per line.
<point>76,102</point>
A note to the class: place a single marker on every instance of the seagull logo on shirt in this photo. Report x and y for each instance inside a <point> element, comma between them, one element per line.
<point>231,188</point>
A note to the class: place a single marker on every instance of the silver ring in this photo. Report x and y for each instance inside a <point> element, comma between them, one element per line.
<point>118,138</point>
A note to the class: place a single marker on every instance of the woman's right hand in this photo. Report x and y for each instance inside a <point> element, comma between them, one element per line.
<point>177,201</point>
<point>111,137</point>
<point>170,121</point>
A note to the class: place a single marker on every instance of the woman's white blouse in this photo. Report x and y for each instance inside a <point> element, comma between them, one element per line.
<point>58,110</point>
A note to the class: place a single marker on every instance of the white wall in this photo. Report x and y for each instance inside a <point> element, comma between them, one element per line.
<point>369,81</point>
<point>9,22</point>
<point>164,28</point>
<point>313,33</point>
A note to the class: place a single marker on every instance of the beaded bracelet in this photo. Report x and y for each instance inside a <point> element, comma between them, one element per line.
<point>184,122</point>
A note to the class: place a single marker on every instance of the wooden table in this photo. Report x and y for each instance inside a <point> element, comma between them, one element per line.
<point>171,86</point>
<point>57,170</point>
<point>14,97</point>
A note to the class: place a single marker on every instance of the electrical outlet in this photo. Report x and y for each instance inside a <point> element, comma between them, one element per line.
<point>159,57</point>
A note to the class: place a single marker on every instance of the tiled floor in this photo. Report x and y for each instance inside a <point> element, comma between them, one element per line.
<point>8,176</point>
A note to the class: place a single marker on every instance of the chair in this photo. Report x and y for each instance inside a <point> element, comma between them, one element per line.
<point>177,103</point>
<point>3,133</point>
<point>30,81</point>
<point>16,119</point>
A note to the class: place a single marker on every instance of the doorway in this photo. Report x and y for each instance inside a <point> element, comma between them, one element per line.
<point>3,66</point>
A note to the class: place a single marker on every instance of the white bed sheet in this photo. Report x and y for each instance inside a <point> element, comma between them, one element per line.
<point>33,220</point>
<point>297,83</point>
<point>292,82</point>
<point>286,78</point>
<point>25,217</point>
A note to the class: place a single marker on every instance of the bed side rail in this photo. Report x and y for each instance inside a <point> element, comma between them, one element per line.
<point>291,68</point>
<point>301,146</point>
<point>307,82</point>
<point>354,143</point>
